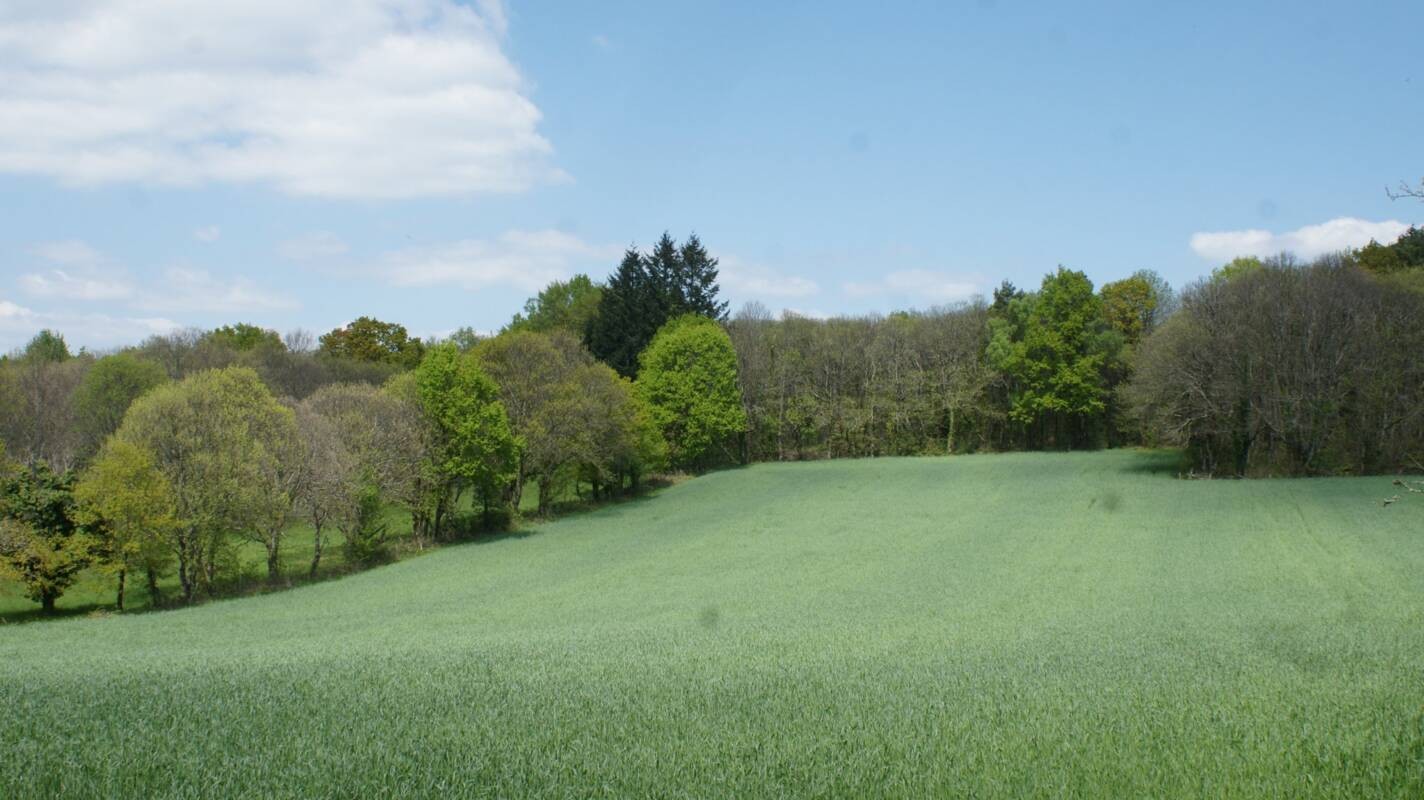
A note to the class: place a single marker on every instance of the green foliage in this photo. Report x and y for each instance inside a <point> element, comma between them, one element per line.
<point>41,542</point>
<point>688,380</point>
<point>1237,267</point>
<point>129,505</point>
<point>47,347</point>
<point>472,444</point>
<point>368,539</point>
<point>1026,625</point>
<point>563,305</point>
<point>1379,259</point>
<point>645,292</point>
<point>222,442</point>
<point>464,338</point>
<point>1051,346</point>
<point>1129,307</point>
<point>244,337</point>
<point>108,389</point>
<point>369,339</point>
<point>1404,256</point>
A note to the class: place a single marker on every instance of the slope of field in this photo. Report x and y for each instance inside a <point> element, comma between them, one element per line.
<point>1014,625</point>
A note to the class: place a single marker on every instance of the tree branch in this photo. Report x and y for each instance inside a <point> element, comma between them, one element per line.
<point>1404,190</point>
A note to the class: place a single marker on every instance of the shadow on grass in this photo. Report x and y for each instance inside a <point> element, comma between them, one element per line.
<point>1169,463</point>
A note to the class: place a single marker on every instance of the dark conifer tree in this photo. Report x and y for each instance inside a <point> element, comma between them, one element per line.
<point>629,313</point>
<point>648,290</point>
<point>699,281</point>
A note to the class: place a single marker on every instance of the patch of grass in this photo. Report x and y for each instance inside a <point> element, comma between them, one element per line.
<point>1008,625</point>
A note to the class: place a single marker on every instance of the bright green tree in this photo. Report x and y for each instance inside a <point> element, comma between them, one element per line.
<point>1236,267</point>
<point>567,305</point>
<point>688,378</point>
<point>129,505</point>
<point>1051,347</point>
<point>472,445</point>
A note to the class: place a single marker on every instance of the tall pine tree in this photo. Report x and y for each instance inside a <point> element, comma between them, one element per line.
<point>629,313</point>
<point>698,278</point>
<point>645,292</point>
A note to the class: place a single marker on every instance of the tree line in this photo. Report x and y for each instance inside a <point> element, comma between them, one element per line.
<point>164,459</point>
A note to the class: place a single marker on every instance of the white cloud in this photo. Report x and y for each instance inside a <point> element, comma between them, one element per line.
<point>336,98</point>
<point>18,324</point>
<point>602,42</point>
<point>807,313</point>
<point>744,280</point>
<point>69,286</point>
<point>78,272</point>
<point>918,285</point>
<point>1342,233</point>
<point>208,234</point>
<point>312,247</point>
<point>187,290</point>
<point>88,274</point>
<point>526,260</point>
<point>72,253</point>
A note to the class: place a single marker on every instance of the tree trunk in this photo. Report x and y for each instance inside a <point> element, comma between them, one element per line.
<point>316,552</point>
<point>47,602</point>
<point>119,601</point>
<point>154,598</point>
<point>544,492</point>
<point>949,438</point>
<point>185,576</point>
<point>274,561</point>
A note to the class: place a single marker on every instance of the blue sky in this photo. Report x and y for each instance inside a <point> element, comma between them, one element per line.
<point>433,162</point>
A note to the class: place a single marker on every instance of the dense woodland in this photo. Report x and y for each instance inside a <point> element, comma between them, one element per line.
<point>161,458</point>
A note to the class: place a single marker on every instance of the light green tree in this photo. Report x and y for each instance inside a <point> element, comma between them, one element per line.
<point>218,437</point>
<point>1236,267</point>
<point>562,305</point>
<point>688,378</point>
<point>128,503</point>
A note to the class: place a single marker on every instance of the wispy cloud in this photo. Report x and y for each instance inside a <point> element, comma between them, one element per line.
<point>753,282</point>
<point>917,286</point>
<point>208,234</point>
<point>1342,233</point>
<point>19,323</point>
<point>312,247</point>
<point>526,260</point>
<point>76,272</point>
<point>334,98</point>
<point>189,290</point>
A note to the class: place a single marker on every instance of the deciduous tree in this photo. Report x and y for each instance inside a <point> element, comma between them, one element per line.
<point>689,382</point>
<point>42,544</point>
<point>129,505</point>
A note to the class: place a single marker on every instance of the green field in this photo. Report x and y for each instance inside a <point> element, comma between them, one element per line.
<point>1007,625</point>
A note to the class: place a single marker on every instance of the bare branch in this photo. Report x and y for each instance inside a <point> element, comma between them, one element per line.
<point>1404,190</point>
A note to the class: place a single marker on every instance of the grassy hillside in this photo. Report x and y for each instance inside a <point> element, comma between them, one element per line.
<point>1044,625</point>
